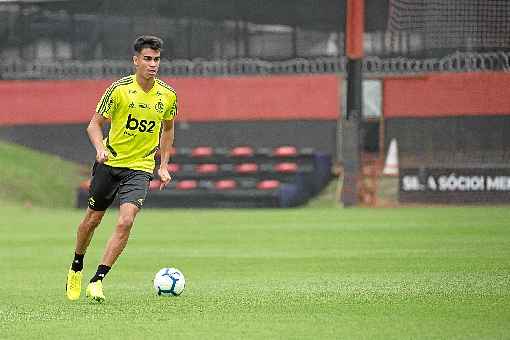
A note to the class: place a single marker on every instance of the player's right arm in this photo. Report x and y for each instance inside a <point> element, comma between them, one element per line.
<point>95,132</point>
<point>104,110</point>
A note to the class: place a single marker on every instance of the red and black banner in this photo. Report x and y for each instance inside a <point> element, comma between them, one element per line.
<point>310,97</point>
<point>447,95</point>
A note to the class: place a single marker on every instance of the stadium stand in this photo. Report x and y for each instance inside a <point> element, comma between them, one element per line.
<point>240,176</point>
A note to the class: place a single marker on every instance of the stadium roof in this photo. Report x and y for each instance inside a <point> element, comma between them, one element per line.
<point>29,1</point>
<point>314,14</point>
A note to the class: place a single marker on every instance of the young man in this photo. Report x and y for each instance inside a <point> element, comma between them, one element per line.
<point>141,111</point>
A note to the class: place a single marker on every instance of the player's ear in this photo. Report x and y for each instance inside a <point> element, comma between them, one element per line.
<point>135,60</point>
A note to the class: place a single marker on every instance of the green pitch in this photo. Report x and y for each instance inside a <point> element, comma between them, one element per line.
<point>311,273</point>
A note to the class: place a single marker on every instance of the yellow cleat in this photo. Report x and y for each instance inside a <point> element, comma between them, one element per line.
<point>95,292</point>
<point>73,285</point>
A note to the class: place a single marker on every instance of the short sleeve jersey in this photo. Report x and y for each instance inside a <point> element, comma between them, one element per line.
<point>136,118</point>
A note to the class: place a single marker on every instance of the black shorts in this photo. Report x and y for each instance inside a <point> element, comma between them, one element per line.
<point>131,185</point>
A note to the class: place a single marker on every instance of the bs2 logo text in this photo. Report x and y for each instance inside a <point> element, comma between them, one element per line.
<point>142,125</point>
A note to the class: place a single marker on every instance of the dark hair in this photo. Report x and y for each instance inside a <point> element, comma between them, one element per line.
<point>147,41</point>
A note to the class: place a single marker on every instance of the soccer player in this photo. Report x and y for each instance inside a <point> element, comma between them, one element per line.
<point>141,110</point>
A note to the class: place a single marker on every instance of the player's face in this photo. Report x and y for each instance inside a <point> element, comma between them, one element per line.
<point>147,62</point>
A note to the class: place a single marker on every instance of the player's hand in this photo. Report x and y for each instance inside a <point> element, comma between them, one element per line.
<point>101,156</point>
<point>164,176</point>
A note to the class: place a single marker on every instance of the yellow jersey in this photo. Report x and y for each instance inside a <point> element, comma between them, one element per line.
<point>136,118</point>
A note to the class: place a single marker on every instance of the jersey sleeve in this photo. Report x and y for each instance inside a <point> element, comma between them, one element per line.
<point>171,113</point>
<point>108,102</point>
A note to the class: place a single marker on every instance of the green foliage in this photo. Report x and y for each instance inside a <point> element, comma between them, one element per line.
<point>35,178</point>
<point>308,273</point>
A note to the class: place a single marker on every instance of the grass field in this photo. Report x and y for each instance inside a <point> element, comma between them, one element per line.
<point>34,178</point>
<point>310,273</point>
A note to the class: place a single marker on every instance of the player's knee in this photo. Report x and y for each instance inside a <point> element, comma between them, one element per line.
<point>125,223</point>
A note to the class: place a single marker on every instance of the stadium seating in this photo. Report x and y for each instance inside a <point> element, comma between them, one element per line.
<point>240,176</point>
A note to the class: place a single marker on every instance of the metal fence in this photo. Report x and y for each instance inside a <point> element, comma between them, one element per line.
<point>373,67</point>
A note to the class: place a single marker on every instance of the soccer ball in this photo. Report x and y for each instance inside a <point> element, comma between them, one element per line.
<point>169,282</point>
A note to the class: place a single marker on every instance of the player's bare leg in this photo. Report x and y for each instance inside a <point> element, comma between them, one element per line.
<point>84,234</point>
<point>119,239</point>
<point>114,248</point>
<point>86,229</point>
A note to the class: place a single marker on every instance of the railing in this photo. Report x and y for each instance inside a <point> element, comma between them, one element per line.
<point>373,66</point>
<point>457,62</point>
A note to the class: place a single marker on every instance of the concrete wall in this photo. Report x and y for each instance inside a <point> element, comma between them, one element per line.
<point>433,118</point>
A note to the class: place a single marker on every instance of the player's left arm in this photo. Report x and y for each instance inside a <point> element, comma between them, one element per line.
<point>166,142</point>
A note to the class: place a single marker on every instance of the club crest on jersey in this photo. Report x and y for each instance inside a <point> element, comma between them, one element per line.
<point>160,107</point>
